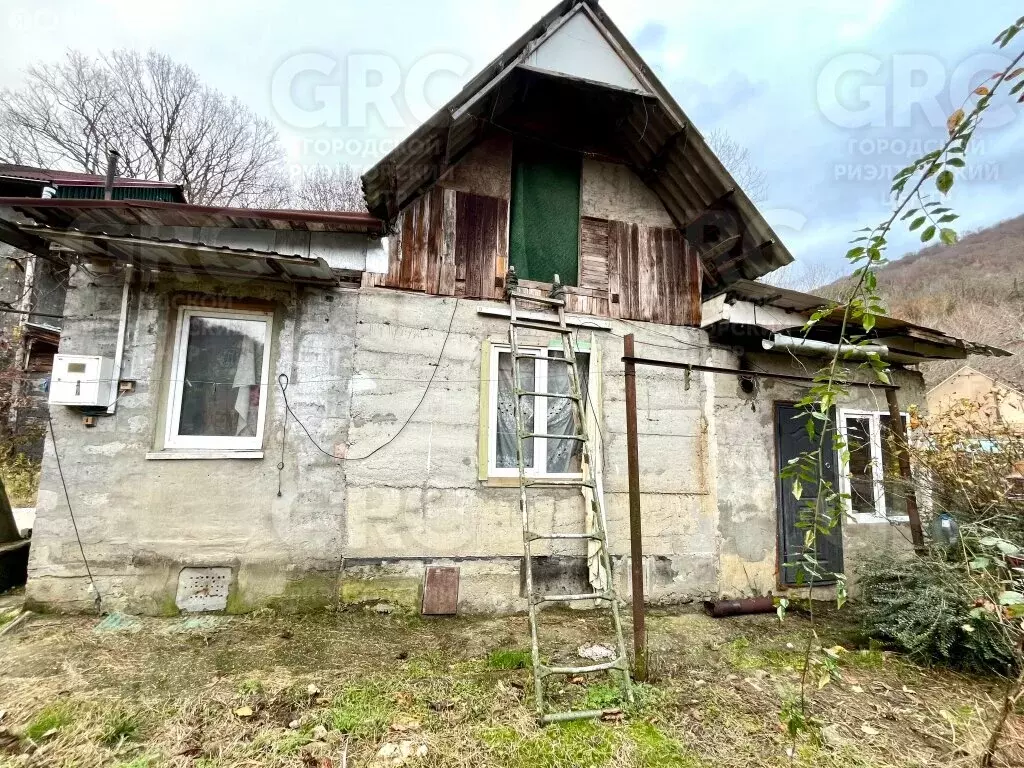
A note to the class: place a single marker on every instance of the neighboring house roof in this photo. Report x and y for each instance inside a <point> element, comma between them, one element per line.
<point>624,104</point>
<point>908,343</point>
<point>967,370</point>
<point>71,184</point>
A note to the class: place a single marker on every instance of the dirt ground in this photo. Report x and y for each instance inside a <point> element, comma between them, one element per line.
<point>360,689</point>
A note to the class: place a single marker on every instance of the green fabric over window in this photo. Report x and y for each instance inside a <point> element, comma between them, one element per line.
<point>544,230</point>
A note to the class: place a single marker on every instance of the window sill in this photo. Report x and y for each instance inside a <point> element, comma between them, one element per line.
<point>502,481</point>
<point>861,518</point>
<point>197,453</point>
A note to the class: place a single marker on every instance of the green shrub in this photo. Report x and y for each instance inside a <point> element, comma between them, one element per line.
<point>926,607</point>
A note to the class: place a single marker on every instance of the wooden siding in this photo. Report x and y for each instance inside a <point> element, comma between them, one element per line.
<point>653,275</point>
<point>449,243</point>
<point>594,253</point>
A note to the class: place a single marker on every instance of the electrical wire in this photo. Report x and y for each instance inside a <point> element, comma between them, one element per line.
<point>282,381</point>
<point>60,471</point>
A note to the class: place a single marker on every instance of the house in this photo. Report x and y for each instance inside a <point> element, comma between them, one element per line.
<point>993,404</point>
<point>296,409</point>
<point>33,282</point>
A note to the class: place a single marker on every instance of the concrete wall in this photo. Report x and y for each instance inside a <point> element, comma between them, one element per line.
<point>363,528</point>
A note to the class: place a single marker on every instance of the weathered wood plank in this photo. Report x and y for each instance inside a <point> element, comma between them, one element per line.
<point>481,225</point>
<point>446,273</point>
<point>594,253</point>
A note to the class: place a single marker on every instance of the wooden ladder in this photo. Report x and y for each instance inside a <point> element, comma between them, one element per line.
<point>606,597</point>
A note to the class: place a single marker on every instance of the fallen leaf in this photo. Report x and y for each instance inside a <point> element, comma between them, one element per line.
<point>869,730</point>
<point>909,690</point>
<point>244,712</point>
<point>856,689</point>
<point>403,699</point>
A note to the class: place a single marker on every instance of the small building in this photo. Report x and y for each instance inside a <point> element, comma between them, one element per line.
<point>295,408</point>
<point>974,401</point>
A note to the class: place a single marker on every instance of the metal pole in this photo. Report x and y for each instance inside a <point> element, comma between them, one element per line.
<point>636,547</point>
<point>900,446</point>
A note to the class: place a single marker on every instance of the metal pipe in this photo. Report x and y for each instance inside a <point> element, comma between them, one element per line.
<point>122,331</point>
<point>815,347</point>
<point>741,607</point>
<point>746,373</point>
<point>108,184</point>
<point>636,547</point>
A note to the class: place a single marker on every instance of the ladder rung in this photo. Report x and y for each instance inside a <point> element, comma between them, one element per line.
<point>539,326</point>
<point>559,484</point>
<point>549,394</point>
<point>571,598</point>
<point>540,299</point>
<point>534,536</point>
<point>599,667</point>
<point>577,438</point>
<point>583,714</point>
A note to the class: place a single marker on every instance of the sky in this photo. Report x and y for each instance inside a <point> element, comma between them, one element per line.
<point>831,98</point>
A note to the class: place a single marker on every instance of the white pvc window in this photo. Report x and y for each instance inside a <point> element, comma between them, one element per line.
<point>870,476</point>
<point>218,392</point>
<point>544,371</point>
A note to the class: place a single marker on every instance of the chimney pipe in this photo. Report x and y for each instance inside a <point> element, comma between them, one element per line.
<point>108,185</point>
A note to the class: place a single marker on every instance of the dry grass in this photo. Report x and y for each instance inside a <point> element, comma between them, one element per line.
<point>334,689</point>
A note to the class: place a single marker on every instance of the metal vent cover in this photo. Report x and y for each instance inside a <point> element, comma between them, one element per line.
<point>203,589</point>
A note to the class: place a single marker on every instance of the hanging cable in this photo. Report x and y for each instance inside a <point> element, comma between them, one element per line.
<point>56,455</point>
<point>282,382</point>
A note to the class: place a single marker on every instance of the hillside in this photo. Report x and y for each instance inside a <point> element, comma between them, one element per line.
<point>973,289</point>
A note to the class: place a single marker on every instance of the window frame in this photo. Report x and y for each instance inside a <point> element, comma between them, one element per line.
<point>540,408</point>
<point>179,358</point>
<point>877,473</point>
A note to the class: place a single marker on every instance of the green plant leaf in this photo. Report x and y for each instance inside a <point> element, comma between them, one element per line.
<point>947,235</point>
<point>928,234</point>
<point>917,223</point>
<point>944,182</point>
<point>1011,598</point>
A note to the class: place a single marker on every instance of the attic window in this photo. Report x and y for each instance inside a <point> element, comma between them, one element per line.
<point>544,228</point>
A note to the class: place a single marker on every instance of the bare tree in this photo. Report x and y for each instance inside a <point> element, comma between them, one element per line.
<point>157,113</point>
<point>809,277</point>
<point>323,188</point>
<point>736,158</point>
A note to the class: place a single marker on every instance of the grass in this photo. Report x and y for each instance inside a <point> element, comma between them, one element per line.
<point>160,699</point>
<point>49,720</point>
<point>509,659</point>
<point>120,726</point>
<point>363,711</point>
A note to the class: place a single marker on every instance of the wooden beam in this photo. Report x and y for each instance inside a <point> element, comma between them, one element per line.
<point>12,235</point>
<point>899,433</point>
<point>636,546</point>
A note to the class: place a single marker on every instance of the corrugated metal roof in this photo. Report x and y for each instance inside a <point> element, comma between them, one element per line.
<point>95,215</point>
<point>180,256</point>
<point>918,340</point>
<point>655,136</point>
<point>71,184</point>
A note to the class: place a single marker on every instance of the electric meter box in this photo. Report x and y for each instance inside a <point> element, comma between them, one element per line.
<point>84,380</point>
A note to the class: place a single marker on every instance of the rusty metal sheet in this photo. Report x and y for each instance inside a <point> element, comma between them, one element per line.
<point>440,590</point>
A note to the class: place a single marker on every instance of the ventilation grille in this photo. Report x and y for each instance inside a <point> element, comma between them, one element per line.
<point>203,589</point>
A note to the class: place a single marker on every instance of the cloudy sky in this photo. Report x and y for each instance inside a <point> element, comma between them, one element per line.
<point>830,97</point>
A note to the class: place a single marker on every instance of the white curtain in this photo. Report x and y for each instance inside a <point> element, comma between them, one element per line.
<point>245,380</point>
<point>506,422</point>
